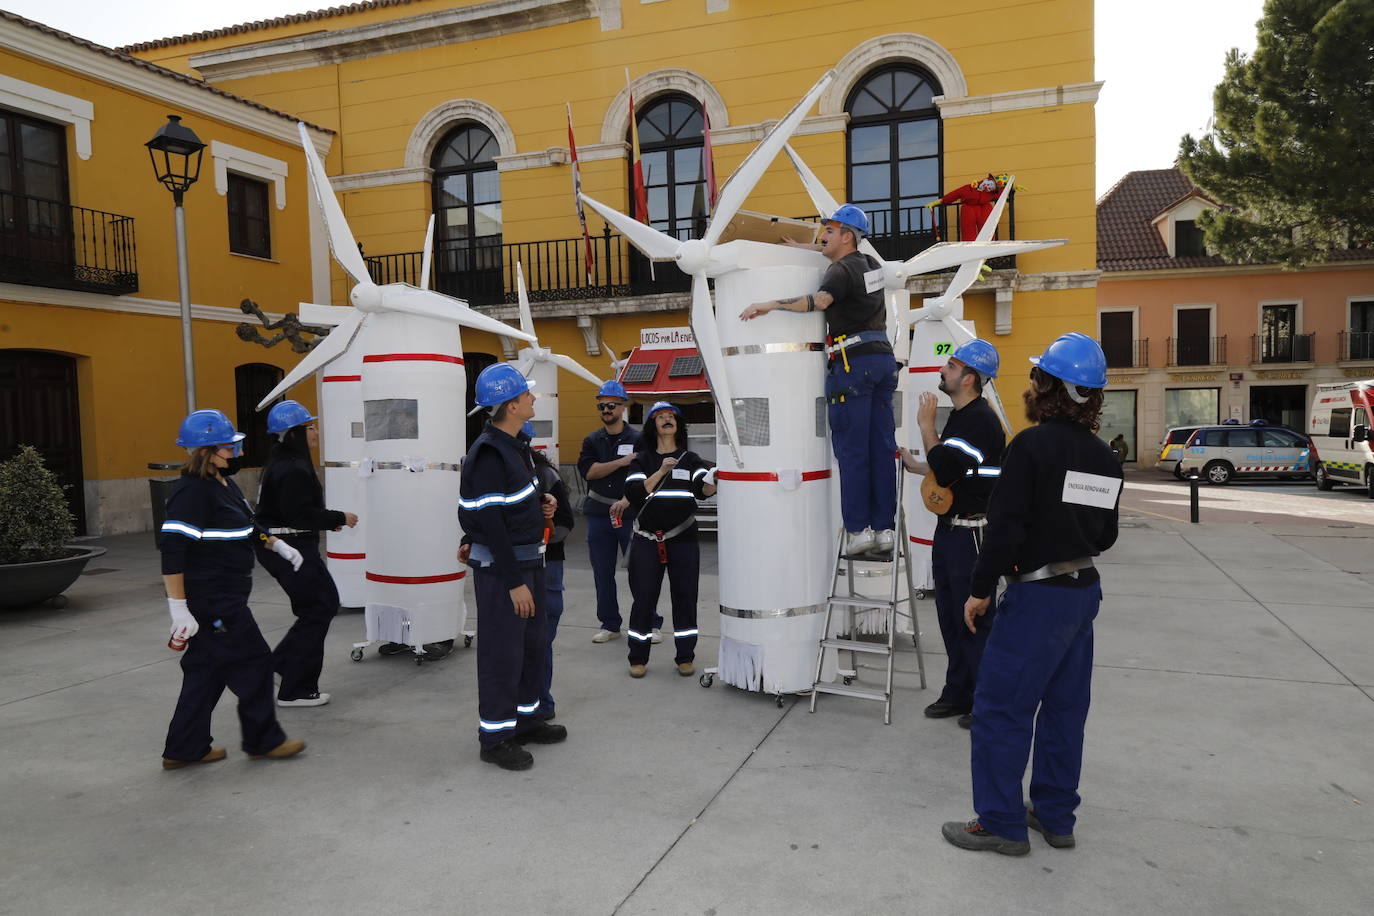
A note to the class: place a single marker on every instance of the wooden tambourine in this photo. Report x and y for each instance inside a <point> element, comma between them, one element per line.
<point>936,498</point>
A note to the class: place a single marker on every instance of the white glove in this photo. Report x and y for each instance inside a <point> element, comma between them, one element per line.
<point>184,626</point>
<point>288,553</point>
<point>711,476</point>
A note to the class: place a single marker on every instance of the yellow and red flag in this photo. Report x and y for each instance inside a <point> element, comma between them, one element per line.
<point>639,197</point>
<point>588,257</point>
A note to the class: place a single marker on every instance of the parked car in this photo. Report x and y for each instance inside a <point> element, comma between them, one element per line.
<point>1171,446</point>
<point>1219,454</point>
<point>1341,413</point>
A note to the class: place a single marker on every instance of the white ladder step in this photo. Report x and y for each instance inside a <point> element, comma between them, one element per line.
<point>856,692</point>
<point>850,645</point>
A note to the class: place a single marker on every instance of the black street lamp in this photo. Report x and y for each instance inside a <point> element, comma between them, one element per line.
<point>175,151</point>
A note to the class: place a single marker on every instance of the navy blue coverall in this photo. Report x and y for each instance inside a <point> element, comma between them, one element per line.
<point>291,506</point>
<point>605,543</point>
<point>208,538</point>
<point>550,482</point>
<point>500,510</point>
<point>1055,501</point>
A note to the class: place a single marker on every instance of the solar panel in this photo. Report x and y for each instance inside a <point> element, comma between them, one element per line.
<point>639,373</point>
<point>684,366</point>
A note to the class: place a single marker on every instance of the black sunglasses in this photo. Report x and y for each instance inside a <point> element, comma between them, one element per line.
<point>607,406</point>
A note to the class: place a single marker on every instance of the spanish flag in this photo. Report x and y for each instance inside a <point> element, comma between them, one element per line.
<point>639,202</point>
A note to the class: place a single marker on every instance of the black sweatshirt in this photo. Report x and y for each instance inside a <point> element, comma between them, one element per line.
<point>290,496</point>
<point>1041,512</point>
<point>551,482</point>
<point>968,456</point>
<point>674,500</point>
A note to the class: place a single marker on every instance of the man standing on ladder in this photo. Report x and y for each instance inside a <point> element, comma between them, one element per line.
<point>1055,508</point>
<point>965,459</point>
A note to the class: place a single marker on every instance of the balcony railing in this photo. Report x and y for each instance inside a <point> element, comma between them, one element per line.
<point>1197,351</point>
<point>1127,354</point>
<point>1355,345</point>
<point>52,244</point>
<point>483,272</point>
<point>1290,348</point>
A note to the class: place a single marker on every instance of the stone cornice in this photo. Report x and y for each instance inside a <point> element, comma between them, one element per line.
<point>132,305</point>
<point>1001,281</point>
<point>379,179</point>
<point>1046,97</point>
<point>412,33</point>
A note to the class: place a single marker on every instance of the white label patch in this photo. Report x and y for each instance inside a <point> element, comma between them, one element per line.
<point>1091,490</point>
<point>681,474</point>
<point>873,280</point>
<point>624,449</point>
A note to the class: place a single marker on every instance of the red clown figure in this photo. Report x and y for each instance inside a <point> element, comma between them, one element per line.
<point>975,200</point>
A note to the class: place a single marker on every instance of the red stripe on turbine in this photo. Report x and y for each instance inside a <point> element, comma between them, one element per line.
<point>342,378</point>
<point>916,540</point>
<point>346,556</point>
<point>412,357</point>
<point>924,368</point>
<point>763,476</point>
<point>416,580</point>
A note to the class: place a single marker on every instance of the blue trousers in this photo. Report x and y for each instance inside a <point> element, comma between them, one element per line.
<point>646,582</point>
<point>1036,677</point>
<point>510,656</point>
<point>863,434</point>
<point>299,657</point>
<point>605,544</point>
<point>952,559</point>
<point>234,656</point>
<point>553,610</point>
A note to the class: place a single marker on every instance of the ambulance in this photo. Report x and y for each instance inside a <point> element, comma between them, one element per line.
<point>1339,429</point>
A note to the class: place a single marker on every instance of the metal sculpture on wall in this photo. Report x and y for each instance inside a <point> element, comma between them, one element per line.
<point>288,327</point>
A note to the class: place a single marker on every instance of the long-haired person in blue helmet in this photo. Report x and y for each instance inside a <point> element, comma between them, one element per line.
<point>859,383</point>
<point>603,463</point>
<point>965,457</point>
<point>664,484</point>
<point>1054,509</point>
<point>501,510</point>
<point>291,507</point>
<point>207,569</point>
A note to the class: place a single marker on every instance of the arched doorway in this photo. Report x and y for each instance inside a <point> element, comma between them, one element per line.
<point>38,407</point>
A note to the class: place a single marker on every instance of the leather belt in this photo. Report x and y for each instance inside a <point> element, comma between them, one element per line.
<point>1050,570</point>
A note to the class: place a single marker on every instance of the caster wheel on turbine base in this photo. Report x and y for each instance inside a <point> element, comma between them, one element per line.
<point>779,699</point>
<point>848,681</point>
<point>419,660</point>
<point>467,642</point>
<point>356,655</point>
<point>706,680</point>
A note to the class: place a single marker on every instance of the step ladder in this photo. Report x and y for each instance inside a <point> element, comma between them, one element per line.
<point>845,598</point>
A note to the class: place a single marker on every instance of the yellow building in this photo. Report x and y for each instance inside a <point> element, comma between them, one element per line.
<point>90,333</point>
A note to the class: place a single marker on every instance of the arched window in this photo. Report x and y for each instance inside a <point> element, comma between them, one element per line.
<point>467,210</point>
<point>670,144</point>
<point>252,382</point>
<point>894,149</point>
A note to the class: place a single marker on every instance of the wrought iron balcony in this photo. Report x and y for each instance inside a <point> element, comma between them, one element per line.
<point>1355,345</point>
<point>49,243</point>
<point>482,271</point>
<point>1127,354</point>
<point>1197,351</point>
<point>1281,348</point>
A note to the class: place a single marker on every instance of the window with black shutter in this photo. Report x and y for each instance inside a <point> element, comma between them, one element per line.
<point>250,230</point>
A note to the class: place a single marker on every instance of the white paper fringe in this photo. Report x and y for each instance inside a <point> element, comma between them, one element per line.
<point>385,623</point>
<point>741,664</point>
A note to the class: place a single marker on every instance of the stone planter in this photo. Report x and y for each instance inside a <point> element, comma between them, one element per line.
<point>23,584</point>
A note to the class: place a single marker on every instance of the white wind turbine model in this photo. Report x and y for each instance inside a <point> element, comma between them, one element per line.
<point>541,365</point>
<point>413,385</point>
<point>616,363</point>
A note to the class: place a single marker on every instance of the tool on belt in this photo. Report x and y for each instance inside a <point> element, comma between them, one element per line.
<point>936,498</point>
<point>662,537</point>
<point>841,343</point>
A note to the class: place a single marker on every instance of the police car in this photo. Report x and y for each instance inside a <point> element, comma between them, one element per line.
<point>1220,453</point>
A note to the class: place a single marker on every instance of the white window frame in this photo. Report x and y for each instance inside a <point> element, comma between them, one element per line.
<point>1349,302</point>
<point>1212,316</point>
<point>1297,320</point>
<point>51,105</point>
<point>228,158</point>
<point>1135,324</point>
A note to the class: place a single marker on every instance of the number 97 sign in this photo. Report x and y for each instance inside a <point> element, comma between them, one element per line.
<point>944,349</point>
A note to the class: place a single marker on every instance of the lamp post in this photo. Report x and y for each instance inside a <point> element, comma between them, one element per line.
<point>175,151</point>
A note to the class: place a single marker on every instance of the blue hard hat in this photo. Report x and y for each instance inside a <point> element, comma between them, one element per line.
<point>612,389</point>
<point>285,415</point>
<point>500,383</point>
<point>851,216</point>
<point>208,427</point>
<point>661,405</point>
<point>980,355</point>
<point>1076,358</point>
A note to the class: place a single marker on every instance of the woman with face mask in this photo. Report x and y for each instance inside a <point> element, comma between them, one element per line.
<point>207,569</point>
<point>291,507</point>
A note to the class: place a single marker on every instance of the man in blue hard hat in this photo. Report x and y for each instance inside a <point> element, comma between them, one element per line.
<point>501,510</point>
<point>860,380</point>
<point>1054,510</point>
<point>965,457</point>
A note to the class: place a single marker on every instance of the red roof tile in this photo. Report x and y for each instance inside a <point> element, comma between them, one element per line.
<point>258,25</point>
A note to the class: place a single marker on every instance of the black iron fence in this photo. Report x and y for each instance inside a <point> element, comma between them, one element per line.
<point>53,244</point>
<point>1355,344</point>
<point>482,271</point>
<point>1197,351</point>
<point>1127,354</point>
<point>1284,348</point>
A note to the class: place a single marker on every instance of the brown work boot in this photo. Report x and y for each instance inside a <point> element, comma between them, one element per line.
<point>686,669</point>
<point>288,748</point>
<point>215,753</point>
<point>638,670</point>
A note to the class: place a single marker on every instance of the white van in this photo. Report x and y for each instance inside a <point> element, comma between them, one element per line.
<point>1339,428</point>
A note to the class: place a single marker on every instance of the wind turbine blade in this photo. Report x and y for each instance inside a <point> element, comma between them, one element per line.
<point>526,319</point>
<point>399,297</point>
<point>968,272</point>
<point>525,365</point>
<point>310,313</point>
<point>950,254</point>
<point>990,392</point>
<point>569,364</point>
<point>427,257</point>
<point>741,184</point>
<point>325,352</point>
<point>703,321</point>
<point>820,195</point>
<point>341,240</point>
<point>990,225</point>
<point>656,245</point>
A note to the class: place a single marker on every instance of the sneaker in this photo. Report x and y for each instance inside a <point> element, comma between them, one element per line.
<point>508,756</point>
<point>544,733</point>
<point>966,721</point>
<point>686,669</point>
<point>313,699</point>
<point>638,670</point>
<point>856,542</point>
<point>973,836</point>
<point>605,636</point>
<point>942,710</point>
<point>883,542</point>
<point>1057,840</point>
<point>215,753</point>
<point>655,637</point>
<point>288,748</point>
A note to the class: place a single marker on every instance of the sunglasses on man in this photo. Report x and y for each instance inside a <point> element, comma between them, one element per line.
<point>606,407</point>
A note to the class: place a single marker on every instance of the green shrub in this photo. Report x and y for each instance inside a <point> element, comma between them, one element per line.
<point>35,523</point>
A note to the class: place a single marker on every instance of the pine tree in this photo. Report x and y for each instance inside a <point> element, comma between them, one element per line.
<point>1291,151</point>
<point>35,522</point>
